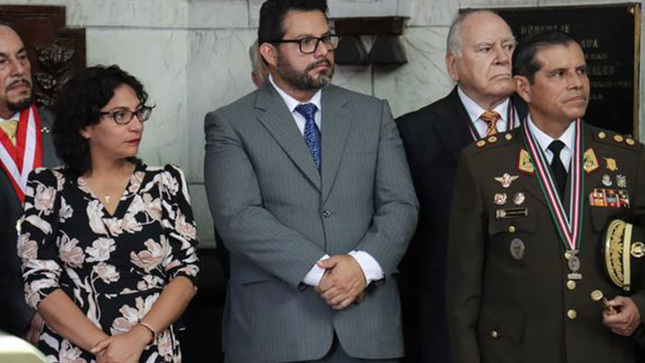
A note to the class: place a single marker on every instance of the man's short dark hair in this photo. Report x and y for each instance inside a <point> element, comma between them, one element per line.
<point>273,12</point>
<point>524,62</point>
<point>79,104</point>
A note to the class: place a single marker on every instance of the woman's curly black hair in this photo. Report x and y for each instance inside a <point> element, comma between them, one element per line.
<point>78,105</point>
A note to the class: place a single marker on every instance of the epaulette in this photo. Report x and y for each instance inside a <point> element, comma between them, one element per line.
<point>613,138</point>
<point>495,140</point>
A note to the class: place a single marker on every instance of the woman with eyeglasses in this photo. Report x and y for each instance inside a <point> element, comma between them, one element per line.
<point>108,244</point>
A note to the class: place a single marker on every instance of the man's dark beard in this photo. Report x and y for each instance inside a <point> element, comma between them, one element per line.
<point>20,105</point>
<point>303,81</point>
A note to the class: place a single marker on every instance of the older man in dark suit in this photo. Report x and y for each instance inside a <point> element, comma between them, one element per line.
<point>478,58</point>
<point>24,144</point>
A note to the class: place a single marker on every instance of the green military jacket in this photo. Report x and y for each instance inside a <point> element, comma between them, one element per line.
<point>509,295</point>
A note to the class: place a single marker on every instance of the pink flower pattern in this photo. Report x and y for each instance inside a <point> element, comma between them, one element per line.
<point>114,267</point>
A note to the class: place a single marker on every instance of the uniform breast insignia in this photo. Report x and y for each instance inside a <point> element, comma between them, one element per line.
<point>517,249</point>
<point>606,180</point>
<point>511,213</point>
<point>590,161</point>
<point>500,198</point>
<point>524,163</point>
<point>518,198</point>
<point>611,164</point>
<point>610,198</point>
<point>506,180</point>
<point>621,181</point>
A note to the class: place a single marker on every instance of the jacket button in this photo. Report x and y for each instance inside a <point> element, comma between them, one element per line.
<point>571,285</point>
<point>326,213</point>
<point>494,334</point>
<point>572,314</point>
<point>511,229</point>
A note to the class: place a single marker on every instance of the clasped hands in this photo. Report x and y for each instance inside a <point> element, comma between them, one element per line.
<point>122,348</point>
<point>343,282</point>
<point>626,320</point>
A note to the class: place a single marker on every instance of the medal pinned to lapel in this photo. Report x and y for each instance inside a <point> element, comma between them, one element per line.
<point>517,249</point>
<point>590,161</point>
<point>621,181</point>
<point>606,180</point>
<point>524,163</point>
<point>611,164</point>
<point>506,180</point>
<point>500,198</point>
<point>519,198</point>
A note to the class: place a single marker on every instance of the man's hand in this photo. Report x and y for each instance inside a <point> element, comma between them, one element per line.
<point>33,332</point>
<point>342,283</point>
<point>626,320</point>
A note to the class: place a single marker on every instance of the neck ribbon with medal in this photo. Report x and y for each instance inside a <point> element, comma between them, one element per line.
<point>19,160</point>
<point>510,122</point>
<point>568,224</point>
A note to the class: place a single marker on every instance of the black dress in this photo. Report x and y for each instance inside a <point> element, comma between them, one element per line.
<point>114,267</point>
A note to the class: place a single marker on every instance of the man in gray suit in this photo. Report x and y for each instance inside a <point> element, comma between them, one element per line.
<point>22,127</point>
<point>309,189</point>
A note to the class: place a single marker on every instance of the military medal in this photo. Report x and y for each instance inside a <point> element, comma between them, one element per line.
<point>19,160</point>
<point>606,180</point>
<point>590,161</point>
<point>621,181</point>
<point>506,180</point>
<point>517,249</point>
<point>567,224</point>
<point>519,198</point>
<point>611,164</point>
<point>500,198</point>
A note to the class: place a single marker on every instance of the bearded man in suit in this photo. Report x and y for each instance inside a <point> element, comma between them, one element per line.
<point>478,58</point>
<point>25,143</point>
<point>310,191</point>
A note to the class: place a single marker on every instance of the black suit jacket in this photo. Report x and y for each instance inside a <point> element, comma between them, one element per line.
<point>433,137</point>
<point>15,314</point>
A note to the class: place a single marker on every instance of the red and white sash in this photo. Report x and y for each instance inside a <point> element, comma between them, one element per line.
<point>19,160</point>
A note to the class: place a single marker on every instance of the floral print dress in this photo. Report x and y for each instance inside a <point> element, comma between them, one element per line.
<point>114,267</point>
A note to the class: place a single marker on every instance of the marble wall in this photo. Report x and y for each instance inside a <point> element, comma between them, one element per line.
<point>192,57</point>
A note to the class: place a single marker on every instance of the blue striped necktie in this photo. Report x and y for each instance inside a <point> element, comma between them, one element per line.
<point>312,134</point>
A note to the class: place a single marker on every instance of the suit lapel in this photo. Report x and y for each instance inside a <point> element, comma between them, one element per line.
<point>452,126</point>
<point>336,123</point>
<point>277,119</point>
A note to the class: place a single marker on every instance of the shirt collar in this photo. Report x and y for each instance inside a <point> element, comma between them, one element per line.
<point>291,102</point>
<point>15,117</point>
<point>545,140</point>
<point>475,111</point>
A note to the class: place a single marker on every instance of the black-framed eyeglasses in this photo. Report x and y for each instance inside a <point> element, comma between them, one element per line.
<point>309,45</point>
<point>123,116</point>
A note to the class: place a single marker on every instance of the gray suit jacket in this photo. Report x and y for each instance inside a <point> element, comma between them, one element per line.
<point>278,215</point>
<point>15,314</point>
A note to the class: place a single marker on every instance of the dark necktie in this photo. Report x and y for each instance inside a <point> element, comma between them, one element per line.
<point>557,168</point>
<point>312,134</point>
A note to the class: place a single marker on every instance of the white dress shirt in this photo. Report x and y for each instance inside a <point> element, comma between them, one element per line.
<point>545,140</point>
<point>371,268</point>
<point>475,111</point>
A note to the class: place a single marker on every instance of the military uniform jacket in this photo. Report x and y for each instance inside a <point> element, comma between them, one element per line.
<point>512,301</point>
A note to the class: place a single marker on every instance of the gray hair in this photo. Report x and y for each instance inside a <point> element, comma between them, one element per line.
<point>453,45</point>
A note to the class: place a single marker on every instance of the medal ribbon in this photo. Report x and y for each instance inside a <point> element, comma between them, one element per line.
<point>510,122</point>
<point>19,160</point>
<point>568,225</point>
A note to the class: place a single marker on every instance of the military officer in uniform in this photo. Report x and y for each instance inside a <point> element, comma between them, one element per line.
<point>528,211</point>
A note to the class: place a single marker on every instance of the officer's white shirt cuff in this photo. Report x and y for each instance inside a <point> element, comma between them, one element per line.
<point>316,273</point>
<point>371,268</point>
